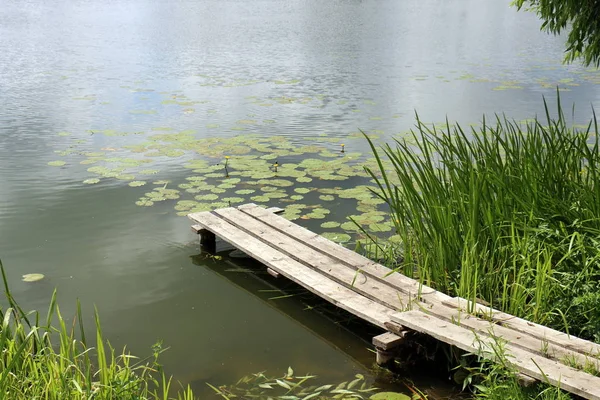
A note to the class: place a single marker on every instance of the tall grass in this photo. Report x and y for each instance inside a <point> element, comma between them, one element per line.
<point>50,358</point>
<point>505,212</point>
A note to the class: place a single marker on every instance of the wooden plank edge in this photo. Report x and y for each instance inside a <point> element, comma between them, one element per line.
<point>571,342</point>
<point>197,229</point>
<point>526,342</point>
<point>387,340</point>
<point>338,295</point>
<point>542,369</point>
<point>385,295</point>
<point>404,284</point>
<point>273,273</point>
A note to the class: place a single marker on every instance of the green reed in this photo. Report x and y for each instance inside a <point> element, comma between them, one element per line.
<point>50,358</point>
<point>504,212</point>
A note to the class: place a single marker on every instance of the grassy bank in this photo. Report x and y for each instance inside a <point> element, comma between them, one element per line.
<point>506,213</point>
<point>48,357</point>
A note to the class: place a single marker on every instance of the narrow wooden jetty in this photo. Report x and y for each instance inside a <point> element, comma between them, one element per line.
<point>397,303</point>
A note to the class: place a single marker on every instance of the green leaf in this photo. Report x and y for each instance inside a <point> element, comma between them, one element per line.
<point>283,384</point>
<point>389,396</point>
<point>33,277</point>
<point>311,396</point>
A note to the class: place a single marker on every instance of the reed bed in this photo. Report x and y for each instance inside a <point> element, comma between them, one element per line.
<point>504,212</point>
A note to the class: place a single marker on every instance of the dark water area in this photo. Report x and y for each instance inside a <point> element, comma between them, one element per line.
<point>107,84</point>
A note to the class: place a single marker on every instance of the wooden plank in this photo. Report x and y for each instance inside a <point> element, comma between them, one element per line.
<point>313,281</point>
<point>525,380</point>
<point>532,344</point>
<point>543,369</point>
<point>197,228</point>
<point>273,273</point>
<point>395,328</point>
<point>352,259</point>
<point>536,330</point>
<point>387,341</point>
<point>330,267</point>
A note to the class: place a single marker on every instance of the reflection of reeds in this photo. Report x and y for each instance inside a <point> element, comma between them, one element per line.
<point>43,359</point>
<point>507,213</point>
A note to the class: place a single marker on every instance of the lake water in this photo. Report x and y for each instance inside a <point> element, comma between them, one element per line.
<point>102,102</point>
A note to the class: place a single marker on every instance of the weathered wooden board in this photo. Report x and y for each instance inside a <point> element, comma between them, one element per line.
<point>315,282</point>
<point>330,267</point>
<point>352,259</point>
<point>388,341</point>
<point>543,369</point>
<point>535,345</point>
<point>378,295</point>
<point>521,325</point>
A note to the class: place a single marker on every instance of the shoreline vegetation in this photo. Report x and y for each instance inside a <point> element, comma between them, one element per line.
<point>505,213</point>
<point>49,357</point>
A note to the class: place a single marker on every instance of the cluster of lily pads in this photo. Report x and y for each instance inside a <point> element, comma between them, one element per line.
<point>307,177</point>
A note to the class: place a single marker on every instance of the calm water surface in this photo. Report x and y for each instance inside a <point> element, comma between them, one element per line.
<point>297,69</point>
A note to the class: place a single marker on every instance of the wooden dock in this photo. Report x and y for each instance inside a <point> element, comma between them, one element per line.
<point>397,303</point>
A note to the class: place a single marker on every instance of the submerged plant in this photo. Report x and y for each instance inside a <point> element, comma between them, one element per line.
<point>290,386</point>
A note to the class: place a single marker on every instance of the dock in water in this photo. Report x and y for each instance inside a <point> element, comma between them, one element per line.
<point>397,303</point>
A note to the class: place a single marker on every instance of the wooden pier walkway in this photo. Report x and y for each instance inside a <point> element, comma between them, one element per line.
<point>397,303</point>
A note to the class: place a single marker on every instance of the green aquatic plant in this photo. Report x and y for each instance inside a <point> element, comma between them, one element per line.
<point>33,277</point>
<point>268,170</point>
<point>504,212</point>
<point>291,386</point>
<point>137,183</point>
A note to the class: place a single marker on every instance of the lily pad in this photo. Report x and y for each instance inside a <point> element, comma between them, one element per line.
<point>144,202</point>
<point>137,183</point>
<point>260,199</point>
<point>209,197</point>
<point>58,163</point>
<point>233,199</point>
<point>336,237</point>
<point>91,181</point>
<point>304,179</point>
<point>33,277</point>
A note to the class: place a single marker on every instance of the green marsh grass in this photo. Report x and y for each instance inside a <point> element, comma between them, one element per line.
<point>50,358</point>
<point>505,212</point>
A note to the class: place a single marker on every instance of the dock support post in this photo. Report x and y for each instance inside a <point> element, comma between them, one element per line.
<point>385,345</point>
<point>207,238</point>
<point>384,358</point>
